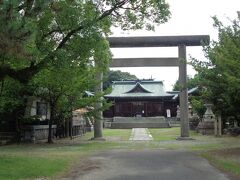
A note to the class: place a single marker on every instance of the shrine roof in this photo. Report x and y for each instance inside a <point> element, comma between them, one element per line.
<point>138,88</point>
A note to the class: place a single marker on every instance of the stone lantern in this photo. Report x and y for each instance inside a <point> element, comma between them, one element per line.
<point>206,126</point>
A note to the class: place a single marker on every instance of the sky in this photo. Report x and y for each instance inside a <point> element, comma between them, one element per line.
<point>189,17</point>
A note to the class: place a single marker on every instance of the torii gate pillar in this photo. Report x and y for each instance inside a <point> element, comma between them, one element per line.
<point>183,91</point>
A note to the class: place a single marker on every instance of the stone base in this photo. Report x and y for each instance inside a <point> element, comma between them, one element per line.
<point>184,138</point>
<point>206,128</point>
<point>139,122</point>
<point>98,139</point>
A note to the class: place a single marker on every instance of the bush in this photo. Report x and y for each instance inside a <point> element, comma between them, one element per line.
<point>235,131</point>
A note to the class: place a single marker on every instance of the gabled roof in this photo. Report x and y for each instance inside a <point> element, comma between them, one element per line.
<point>136,89</point>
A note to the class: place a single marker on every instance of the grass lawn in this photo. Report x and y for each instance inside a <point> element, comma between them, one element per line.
<point>165,134</point>
<point>225,159</point>
<point>22,166</point>
<point>31,161</point>
<point>117,134</point>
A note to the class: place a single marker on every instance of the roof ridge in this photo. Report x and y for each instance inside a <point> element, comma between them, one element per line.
<point>138,84</point>
<point>136,81</point>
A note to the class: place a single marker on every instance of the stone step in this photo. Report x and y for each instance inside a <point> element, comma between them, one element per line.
<point>117,125</point>
<point>158,119</point>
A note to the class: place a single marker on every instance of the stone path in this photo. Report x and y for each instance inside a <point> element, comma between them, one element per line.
<point>140,134</point>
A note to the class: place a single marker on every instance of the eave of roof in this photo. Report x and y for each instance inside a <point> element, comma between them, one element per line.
<point>190,91</point>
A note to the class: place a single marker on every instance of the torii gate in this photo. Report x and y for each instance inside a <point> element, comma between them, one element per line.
<point>158,41</point>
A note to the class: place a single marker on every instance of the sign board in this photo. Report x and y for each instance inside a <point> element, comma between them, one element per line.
<point>168,113</point>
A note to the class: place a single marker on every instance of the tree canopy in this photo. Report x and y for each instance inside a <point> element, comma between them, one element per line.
<point>220,75</point>
<point>117,76</point>
<point>36,33</point>
<point>191,83</point>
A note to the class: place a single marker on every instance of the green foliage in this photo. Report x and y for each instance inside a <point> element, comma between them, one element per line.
<point>191,83</point>
<point>198,105</point>
<point>12,102</point>
<point>196,101</point>
<point>220,76</point>
<point>9,98</point>
<point>35,33</point>
<point>117,76</point>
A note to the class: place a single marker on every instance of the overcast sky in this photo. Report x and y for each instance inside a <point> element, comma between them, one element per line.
<point>189,17</point>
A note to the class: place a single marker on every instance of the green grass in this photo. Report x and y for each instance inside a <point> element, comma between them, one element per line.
<point>165,134</point>
<point>221,162</point>
<point>112,134</point>
<point>22,167</point>
<point>118,134</point>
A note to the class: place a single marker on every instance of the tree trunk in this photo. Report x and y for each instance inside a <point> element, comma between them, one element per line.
<point>52,115</point>
<point>50,132</point>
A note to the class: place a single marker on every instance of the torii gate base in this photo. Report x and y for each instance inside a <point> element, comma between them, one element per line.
<point>158,41</point>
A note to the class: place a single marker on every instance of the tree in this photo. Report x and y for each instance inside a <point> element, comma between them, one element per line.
<point>191,83</point>
<point>34,33</point>
<point>196,101</point>
<point>63,88</point>
<point>220,75</point>
<point>39,35</point>
<point>117,76</point>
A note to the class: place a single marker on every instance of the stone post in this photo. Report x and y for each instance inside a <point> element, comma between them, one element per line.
<point>183,92</point>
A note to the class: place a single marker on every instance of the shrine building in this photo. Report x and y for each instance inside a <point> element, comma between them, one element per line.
<point>141,98</point>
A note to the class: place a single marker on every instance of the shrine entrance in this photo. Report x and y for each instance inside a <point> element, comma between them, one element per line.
<point>157,41</point>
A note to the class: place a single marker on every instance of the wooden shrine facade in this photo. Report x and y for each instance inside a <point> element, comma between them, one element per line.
<point>142,99</point>
<point>142,108</point>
